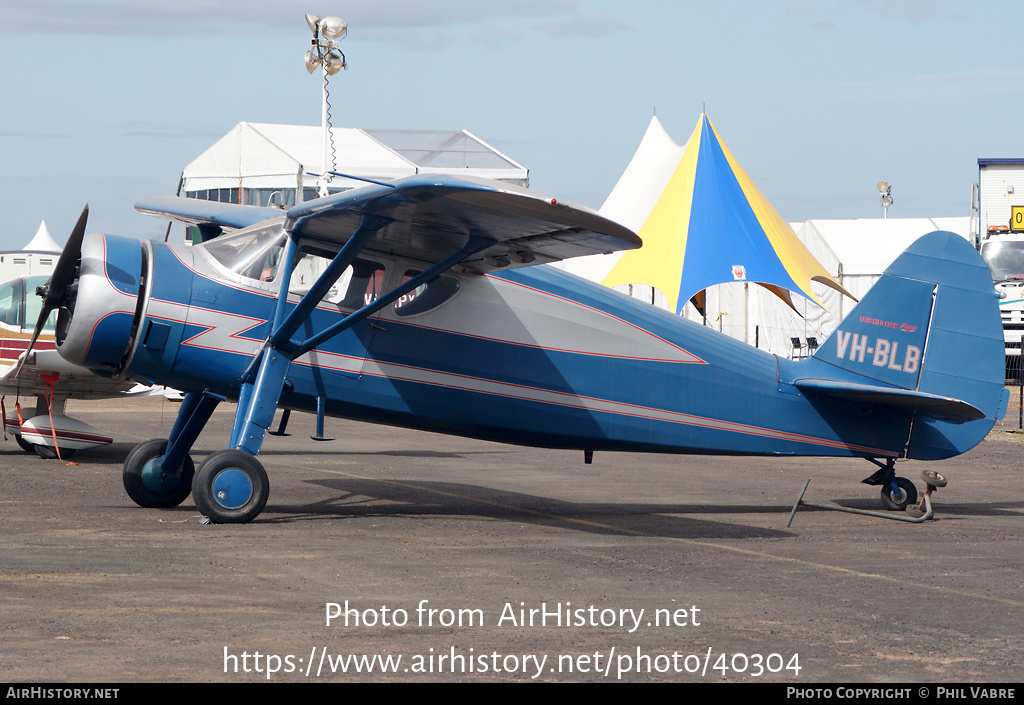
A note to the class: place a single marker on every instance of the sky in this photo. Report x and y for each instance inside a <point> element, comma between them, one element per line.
<point>105,101</point>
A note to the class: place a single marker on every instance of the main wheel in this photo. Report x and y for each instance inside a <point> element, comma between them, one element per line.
<point>148,484</point>
<point>48,453</point>
<point>25,445</point>
<point>231,487</point>
<point>898,502</point>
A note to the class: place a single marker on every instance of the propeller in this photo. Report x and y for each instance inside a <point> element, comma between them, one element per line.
<point>56,289</point>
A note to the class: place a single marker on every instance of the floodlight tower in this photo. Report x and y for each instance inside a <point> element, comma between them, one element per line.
<point>885,194</point>
<point>325,53</point>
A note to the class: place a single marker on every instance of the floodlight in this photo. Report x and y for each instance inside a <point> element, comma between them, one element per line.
<point>333,63</point>
<point>325,54</point>
<point>333,27</point>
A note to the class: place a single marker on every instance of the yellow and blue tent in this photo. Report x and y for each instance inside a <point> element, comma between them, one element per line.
<point>711,225</point>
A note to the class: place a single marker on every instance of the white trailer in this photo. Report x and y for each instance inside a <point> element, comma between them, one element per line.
<point>998,206</point>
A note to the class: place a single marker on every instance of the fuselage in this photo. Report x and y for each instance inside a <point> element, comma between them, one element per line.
<point>531,356</point>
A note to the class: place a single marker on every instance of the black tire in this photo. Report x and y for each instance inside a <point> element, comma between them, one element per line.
<point>46,452</point>
<point>934,478</point>
<point>231,487</point>
<point>162,490</point>
<point>906,497</point>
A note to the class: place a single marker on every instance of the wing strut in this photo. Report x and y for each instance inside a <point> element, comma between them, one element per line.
<point>262,384</point>
<point>472,246</point>
<point>285,326</point>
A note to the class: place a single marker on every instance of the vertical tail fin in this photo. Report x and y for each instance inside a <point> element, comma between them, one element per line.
<point>930,325</point>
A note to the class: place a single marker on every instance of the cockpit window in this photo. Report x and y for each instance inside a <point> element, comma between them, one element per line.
<point>426,296</point>
<point>255,254</point>
<point>20,305</point>
<point>360,284</point>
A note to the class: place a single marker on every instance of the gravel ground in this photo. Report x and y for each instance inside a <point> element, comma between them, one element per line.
<point>448,552</point>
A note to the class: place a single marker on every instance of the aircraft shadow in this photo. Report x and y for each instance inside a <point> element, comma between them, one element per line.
<point>469,500</point>
<point>115,453</point>
<point>393,453</point>
<point>356,498</point>
<point>942,509</point>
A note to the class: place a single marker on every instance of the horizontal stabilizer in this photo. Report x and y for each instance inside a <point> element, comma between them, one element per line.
<point>939,407</point>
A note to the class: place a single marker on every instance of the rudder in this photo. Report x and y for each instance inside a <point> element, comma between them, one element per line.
<point>930,324</point>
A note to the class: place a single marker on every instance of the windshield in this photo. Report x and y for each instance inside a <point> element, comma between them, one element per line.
<point>257,254</point>
<point>254,254</point>
<point>1005,260</point>
<point>20,306</point>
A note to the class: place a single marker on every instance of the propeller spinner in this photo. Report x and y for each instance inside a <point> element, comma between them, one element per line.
<point>55,291</point>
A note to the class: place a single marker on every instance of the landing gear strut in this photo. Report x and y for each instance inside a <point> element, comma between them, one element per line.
<point>898,493</point>
<point>231,486</point>
<point>159,473</point>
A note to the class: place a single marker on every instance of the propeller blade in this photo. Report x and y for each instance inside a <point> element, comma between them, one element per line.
<point>31,342</point>
<point>64,273</point>
<point>57,285</point>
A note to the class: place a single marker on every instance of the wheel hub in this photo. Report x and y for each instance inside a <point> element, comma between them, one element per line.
<point>899,496</point>
<point>156,479</point>
<point>232,488</point>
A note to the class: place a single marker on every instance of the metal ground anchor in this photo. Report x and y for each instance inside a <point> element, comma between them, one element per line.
<point>917,514</point>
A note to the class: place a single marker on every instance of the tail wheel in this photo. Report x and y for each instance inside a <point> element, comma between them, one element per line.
<point>906,496</point>
<point>231,487</point>
<point>149,484</point>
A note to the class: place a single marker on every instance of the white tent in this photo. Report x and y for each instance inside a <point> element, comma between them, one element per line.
<point>867,247</point>
<point>853,252</point>
<point>749,313</point>
<point>253,160</point>
<point>758,317</point>
<point>42,241</point>
<point>630,202</point>
<point>37,258</point>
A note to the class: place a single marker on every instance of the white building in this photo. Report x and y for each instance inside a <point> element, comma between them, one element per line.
<point>37,258</point>
<point>1000,188</point>
<point>253,161</point>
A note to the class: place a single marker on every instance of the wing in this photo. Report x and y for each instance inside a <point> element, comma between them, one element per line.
<point>429,217</point>
<point>74,381</point>
<point>196,211</point>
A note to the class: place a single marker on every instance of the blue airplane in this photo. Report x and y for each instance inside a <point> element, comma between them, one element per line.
<point>421,303</point>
